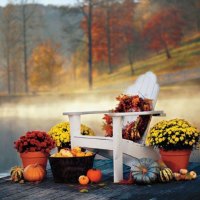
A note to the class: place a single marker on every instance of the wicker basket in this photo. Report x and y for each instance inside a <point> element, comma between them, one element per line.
<point>68,170</point>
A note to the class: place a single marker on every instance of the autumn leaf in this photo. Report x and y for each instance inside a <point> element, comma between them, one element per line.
<point>101,184</point>
<point>83,190</point>
<point>128,181</point>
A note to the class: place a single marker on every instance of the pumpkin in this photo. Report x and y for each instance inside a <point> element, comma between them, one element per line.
<point>83,180</point>
<point>193,174</point>
<point>94,175</point>
<point>145,170</point>
<point>183,171</point>
<point>188,177</point>
<point>16,174</point>
<point>177,176</point>
<point>166,175</point>
<point>34,173</point>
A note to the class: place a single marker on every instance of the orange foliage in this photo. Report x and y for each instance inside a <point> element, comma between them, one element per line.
<point>46,64</point>
<point>119,18</point>
<point>164,29</point>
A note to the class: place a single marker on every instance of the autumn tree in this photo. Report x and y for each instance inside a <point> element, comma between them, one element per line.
<point>111,31</point>
<point>127,29</point>
<point>119,35</point>
<point>105,15</point>
<point>143,11</point>
<point>10,37</point>
<point>163,30</point>
<point>99,36</point>
<point>73,35</point>
<point>190,11</point>
<point>78,60</point>
<point>195,11</point>
<point>25,19</point>
<point>87,10</point>
<point>46,64</point>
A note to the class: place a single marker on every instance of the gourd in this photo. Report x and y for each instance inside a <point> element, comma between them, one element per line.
<point>94,175</point>
<point>177,176</point>
<point>145,170</point>
<point>16,174</point>
<point>182,176</point>
<point>34,173</point>
<point>193,174</point>
<point>83,180</point>
<point>166,175</point>
<point>183,171</point>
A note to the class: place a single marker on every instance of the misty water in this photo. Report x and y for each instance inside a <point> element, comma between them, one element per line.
<point>21,114</point>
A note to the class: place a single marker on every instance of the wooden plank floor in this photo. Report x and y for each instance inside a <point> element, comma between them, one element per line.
<point>47,189</point>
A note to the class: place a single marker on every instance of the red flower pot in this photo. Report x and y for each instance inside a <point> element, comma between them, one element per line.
<point>33,158</point>
<point>176,159</point>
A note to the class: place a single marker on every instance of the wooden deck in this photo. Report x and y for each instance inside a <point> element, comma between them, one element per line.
<point>47,189</point>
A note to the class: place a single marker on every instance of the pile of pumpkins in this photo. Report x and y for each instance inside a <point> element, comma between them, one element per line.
<point>36,173</point>
<point>31,173</point>
<point>147,171</point>
<point>93,175</point>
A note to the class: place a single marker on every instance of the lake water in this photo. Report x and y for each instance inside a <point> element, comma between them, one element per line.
<point>19,115</point>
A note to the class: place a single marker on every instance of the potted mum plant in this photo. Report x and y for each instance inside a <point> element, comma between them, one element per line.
<point>34,147</point>
<point>60,133</point>
<point>175,139</point>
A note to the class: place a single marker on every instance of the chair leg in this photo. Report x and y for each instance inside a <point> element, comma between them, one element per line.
<point>75,128</point>
<point>117,149</point>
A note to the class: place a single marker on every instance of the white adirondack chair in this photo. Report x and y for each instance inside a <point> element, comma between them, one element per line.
<point>145,86</point>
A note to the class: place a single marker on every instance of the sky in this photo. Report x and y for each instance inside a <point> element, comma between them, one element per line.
<point>45,2</point>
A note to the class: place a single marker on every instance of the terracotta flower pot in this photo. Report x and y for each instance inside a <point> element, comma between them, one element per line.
<point>33,158</point>
<point>176,159</point>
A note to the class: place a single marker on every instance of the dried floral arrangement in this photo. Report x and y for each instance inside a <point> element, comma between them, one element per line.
<point>132,130</point>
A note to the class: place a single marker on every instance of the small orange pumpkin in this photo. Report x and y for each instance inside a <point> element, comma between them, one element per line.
<point>83,180</point>
<point>94,175</point>
<point>34,173</point>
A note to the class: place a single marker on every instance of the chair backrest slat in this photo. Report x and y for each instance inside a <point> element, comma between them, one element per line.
<point>145,86</point>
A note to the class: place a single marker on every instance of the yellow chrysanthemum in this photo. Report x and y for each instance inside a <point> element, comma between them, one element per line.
<point>160,140</point>
<point>61,133</point>
<point>173,133</point>
<point>181,138</point>
<point>190,143</point>
<point>176,139</point>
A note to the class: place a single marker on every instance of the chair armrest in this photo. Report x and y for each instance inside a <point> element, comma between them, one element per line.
<point>87,112</point>
<point>153,113</point>
<point>112,114</point>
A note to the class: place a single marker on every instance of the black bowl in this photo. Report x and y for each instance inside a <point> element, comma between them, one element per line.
<point>68,169</point>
